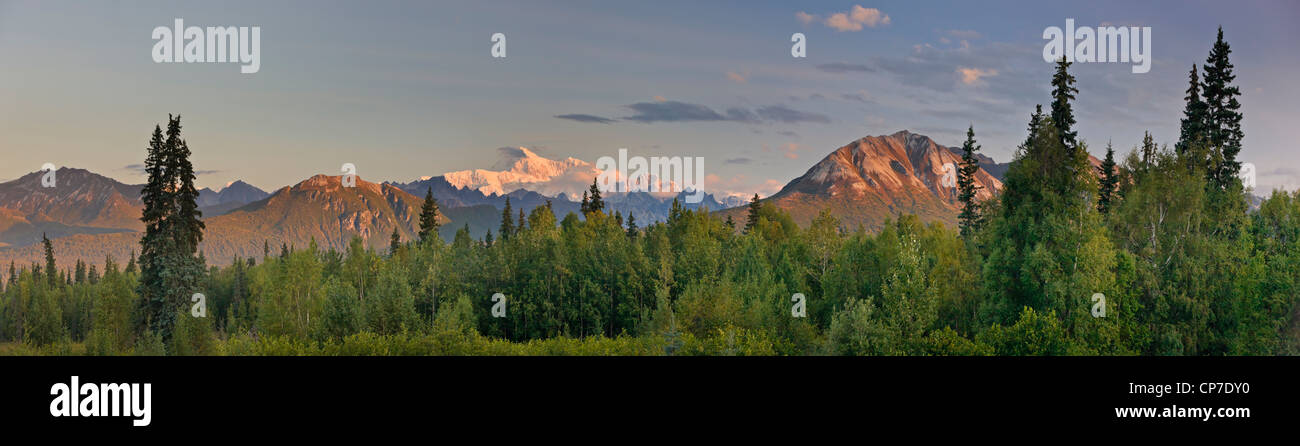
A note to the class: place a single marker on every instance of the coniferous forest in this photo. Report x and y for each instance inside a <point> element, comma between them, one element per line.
<point>1159,251</point>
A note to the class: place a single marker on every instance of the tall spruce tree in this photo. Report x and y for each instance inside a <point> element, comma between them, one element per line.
<point>1063,92</point>
<point>631,225</point>
<point>1194,120</point>
<point>1107,182</point>
<point>51,272</point>
<point>596,204</point>
<point>80,272</point>
<point>169,269</point>
<point>752,219</point>
<point>1223,118</point>
<point>428,216</point>
<point>968,220</point>
<point>507,223</point>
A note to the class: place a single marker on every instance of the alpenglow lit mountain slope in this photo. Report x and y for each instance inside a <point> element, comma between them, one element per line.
<point>81,202</point>
<point>319,208</point>
<point>878,177</point>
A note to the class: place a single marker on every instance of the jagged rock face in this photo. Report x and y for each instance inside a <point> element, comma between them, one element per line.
<point>877,177</point>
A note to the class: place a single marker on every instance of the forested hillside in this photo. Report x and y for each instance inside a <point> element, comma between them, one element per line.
<point>1152,253</point>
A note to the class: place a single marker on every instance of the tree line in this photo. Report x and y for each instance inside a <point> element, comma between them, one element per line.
<point>1165,237</point>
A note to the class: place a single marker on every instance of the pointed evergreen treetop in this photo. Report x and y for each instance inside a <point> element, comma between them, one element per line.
<point>507,223</point>
<point>966,187</point>
<point>1108,181</point>
<point>1063,92</point>
<point>752,219</point>
<point>428,216</point>
<point>596,204</point>
<point>1223,118</point>
<point>1194,115</point>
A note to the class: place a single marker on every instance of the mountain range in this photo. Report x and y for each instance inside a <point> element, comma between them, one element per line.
<point>88,216</point>
<point>236,193</point>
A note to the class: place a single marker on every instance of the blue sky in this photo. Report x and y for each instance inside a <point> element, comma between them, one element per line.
<point>408,89</point>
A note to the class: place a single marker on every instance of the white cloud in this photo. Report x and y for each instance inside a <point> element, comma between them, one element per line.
<point>840,22</point>
<point>856,18</point>
<point>869,16</point>
<point>972,76</point>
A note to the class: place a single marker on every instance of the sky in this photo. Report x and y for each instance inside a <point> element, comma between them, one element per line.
<point>409,89</point>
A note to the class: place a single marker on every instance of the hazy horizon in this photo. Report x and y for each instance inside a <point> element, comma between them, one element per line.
<point>410,90</point>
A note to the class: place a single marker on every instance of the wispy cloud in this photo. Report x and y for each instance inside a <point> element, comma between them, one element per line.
<point>964,34</point>
<point>676,111</point>
<point>586,118</point>
<point>138,169</point>
<point>840,67</point>
<point>736,77</point>
<point>672,111</point>
<point>790,150</point>
<point>858,96</point>
<point>781,113</point>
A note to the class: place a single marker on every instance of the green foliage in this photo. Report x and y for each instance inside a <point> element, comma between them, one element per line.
<point>391,309</point>
<point>856,330</point>
<point>341,316</point>
<point>1034,334</point>
<point>193,336</point>
<point>45,322</point>
<point>112,332</point>
<point>1164,237</point>
<point>149,344</point>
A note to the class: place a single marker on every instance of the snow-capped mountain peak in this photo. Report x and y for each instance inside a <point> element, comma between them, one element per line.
<point>521,168</point>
